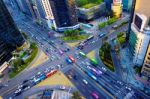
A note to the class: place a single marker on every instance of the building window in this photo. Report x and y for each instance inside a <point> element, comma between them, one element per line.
<point>149,22</point>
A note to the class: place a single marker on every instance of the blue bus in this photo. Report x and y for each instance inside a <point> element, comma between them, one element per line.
<point>92,76</point>
<point>68,61</point>
<point>36,81</point>
<point>42,77</point>
<point>101,35</point>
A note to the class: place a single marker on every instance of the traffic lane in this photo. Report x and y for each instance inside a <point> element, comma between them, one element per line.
<point>11,93</point>
<point>106,84</point>
<point>105,79</point>
<point>95,84</point>
<point>86,90</point>
<point>29,73</point>
<point>87,48</point>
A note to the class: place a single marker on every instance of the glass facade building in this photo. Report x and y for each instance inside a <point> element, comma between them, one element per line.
<point>10,37</point>
<point>64,12</point>
<point>127,5</point>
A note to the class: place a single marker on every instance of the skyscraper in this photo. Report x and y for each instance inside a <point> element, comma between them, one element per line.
<point>127,5</point>
<point>117,8</point>
<point>108,4</point>
<point>139,33</point>
<point>64,13</point>
<point>10,37</point>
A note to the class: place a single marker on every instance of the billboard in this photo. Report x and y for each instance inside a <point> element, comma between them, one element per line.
<point>138,22</point>
<point>117,2</point>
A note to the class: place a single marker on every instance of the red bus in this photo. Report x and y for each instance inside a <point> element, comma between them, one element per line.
<point>72,59</point>
<point>51,73</point>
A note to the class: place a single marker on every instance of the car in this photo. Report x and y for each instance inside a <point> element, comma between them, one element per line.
<point>26,87</point>
<point>69,76</point>
<point>91,24</point>
<point>25,81</point>
<point>119,82</point>
<point>58,66</point>
<point>94,95</point>
<point>87,63</point>
<point>18,92</point>
<point>61,65</point>
<point>75,77</point>
<point>89,67</point>
<point>104,69</point>
<point>62,87</point>
<point>128,88</point>
<point>20,86</point>
<point>46,70</point>
<point>115,26</point>
<point>84,81</point>
<point>101,35</point>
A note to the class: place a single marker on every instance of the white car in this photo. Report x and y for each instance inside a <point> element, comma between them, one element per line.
<point>103,68</point>
<point>87,63</point>
<point>84,81</point>
<point>62,87</point>
<point>27,88</point>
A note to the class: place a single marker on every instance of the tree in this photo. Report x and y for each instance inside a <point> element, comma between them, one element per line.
<point>80,3</point>
<point>106,48</point>
<point>76,95</point>
<point>71,33</point>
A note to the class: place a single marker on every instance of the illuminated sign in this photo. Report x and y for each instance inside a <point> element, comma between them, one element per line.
<point>117,2</point>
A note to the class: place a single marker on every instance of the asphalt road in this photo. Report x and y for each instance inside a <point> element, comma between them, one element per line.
<point>40,35</point>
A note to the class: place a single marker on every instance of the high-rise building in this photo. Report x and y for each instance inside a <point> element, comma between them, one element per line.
<point>23,6</point>
<point>146,65</point>
<point>127,5</point>
<point>117,8</point>
<point>64,14</point>
<point>10,37</point>
<point>60,14</point>
<point>139,35</point>
<point>108,4</point>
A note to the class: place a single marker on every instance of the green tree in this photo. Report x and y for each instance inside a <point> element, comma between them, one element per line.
<point>80,3</point>
<point>17,63</point>
<point>106,48</point>
<point>111,20</point>
<point>33,45</point>
<point>25,35</point>
<point>76,95</point>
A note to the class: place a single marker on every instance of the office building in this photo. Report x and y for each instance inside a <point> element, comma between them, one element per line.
<point>10,37</point>
<point>58,14</point>
<point>108,4</point>
<point>23,6</point>
<point>146,65</point>
<point>139,35</point>
<point>64,14</point>
<point>127,4</point>
<point>117,8</point>
<point>91,13</point>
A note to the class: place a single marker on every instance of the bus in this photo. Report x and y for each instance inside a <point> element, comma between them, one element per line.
<point>94,62</point>
<point>92,76</point>
<point>61,52</point>
<point>42,77</point>
<point>82,54</point>
<point>36,81</point>
<point>97,72</point>
<point>90,38</point>
<point>51,73</point>
<point>68,61</point>
<point>72,59</point>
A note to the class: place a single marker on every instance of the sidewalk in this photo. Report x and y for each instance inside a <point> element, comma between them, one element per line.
<point>41,58</point>
<point>127,68</point>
